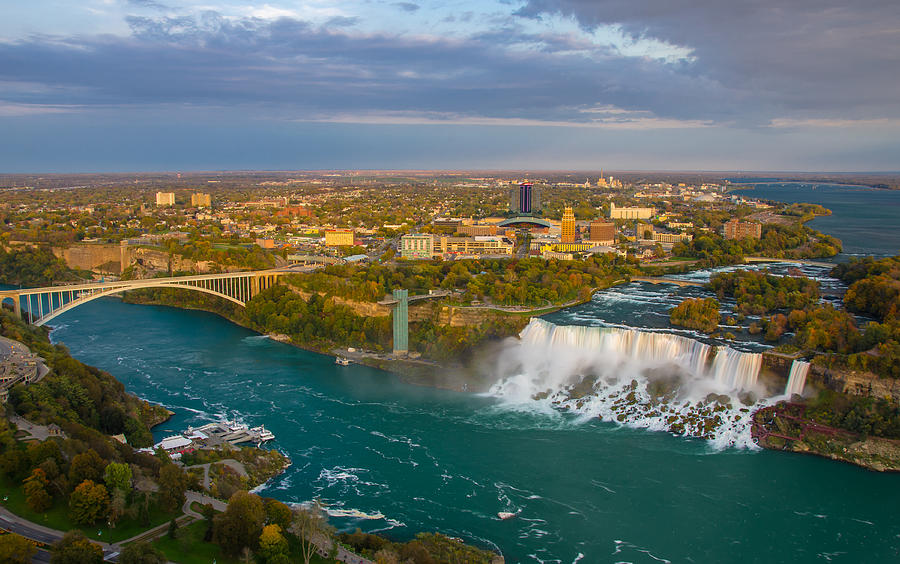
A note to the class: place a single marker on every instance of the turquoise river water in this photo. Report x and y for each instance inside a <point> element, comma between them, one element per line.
<point>402,459</point>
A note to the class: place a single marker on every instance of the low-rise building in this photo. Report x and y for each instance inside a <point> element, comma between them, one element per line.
<point>477,230</point>
<point>603,232</point>
<point>629,213</point>
<point>660,237</point>
<point>482,245</point>
<point>417,246</point>
<point>201,200</point>
<point>736,229</point>
<point>339,237</point>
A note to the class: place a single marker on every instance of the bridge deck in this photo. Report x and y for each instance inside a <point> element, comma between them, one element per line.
<point>435,295</point>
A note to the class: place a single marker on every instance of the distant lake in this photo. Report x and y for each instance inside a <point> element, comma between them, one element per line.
<point>866,219</point>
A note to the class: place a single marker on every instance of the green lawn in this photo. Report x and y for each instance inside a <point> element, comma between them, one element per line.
<point>189,548</point>
<point>57,517</point>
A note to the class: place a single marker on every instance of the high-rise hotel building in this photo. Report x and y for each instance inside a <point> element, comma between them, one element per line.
<point>568,226</point>
<point>525,199</point>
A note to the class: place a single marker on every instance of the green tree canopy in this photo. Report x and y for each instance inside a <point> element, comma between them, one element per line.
<point>75,548</point>
<point>241,523</point>
<point>88,503</point>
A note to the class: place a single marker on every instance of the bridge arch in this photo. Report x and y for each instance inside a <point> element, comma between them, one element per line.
<point>112,291</point>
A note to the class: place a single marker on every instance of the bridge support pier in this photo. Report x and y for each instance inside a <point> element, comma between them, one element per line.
<point>401,322</point>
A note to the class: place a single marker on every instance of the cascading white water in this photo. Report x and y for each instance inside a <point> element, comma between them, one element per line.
<point>797,378</point>
<point>658,381</point>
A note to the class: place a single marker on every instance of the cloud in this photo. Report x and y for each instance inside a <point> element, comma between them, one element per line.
<point>307,70</point>
<point>813,57</point>
<point>289,68</point>
<point>406,6</point>
<point>147,4</point>
<point>8,109</point>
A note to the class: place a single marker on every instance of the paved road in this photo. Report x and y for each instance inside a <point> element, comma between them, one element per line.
<point>40,533</point>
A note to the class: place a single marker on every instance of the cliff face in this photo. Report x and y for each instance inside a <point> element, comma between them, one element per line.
<point>775,370</point>
<point>464,316</point>
<point>115,258</point>
<point>157,260</point>
<point>91,257</point>
<point>856,383</point>
<point>365,309</point>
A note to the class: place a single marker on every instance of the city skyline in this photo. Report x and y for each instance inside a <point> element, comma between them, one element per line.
<point>121,85</point>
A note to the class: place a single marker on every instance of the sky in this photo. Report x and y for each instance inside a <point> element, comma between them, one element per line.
<point>146,85</point>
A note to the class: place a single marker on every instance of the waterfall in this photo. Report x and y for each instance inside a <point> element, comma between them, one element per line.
<point>731,369</point>
<point>797,379</point>
<point>657,381</point>
<point>736,370</point>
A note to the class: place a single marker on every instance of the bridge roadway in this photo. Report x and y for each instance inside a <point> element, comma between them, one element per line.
<point>434,295</point>
<point>44,303</point>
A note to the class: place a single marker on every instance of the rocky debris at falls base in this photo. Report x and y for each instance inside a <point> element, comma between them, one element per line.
<point>659,406</point>
<point>785,427</point>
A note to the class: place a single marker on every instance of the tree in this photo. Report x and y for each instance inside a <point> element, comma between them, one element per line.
<point>173,529</point>
<point>86,466</point>
<point>117,506</point>
<point>272,543</point>
<point>311,527</point>
<point>74,548</point>
<point>278,513</point>
<point>241,523</point>
<point>141,553</point>
<point>172,484</point>
<point>117,477</point>
<point>386,556</point>
<point>88,503</point>
<point>16,549</point>
<point>35,489</point>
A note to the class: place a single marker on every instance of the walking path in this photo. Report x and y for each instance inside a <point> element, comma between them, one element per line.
<point>39,432</point>
<point>230,462</point>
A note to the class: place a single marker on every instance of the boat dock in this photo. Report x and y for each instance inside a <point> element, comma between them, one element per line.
<point>233,432</point>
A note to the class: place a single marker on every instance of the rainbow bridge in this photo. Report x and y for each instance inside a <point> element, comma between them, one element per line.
<point>45,303</point>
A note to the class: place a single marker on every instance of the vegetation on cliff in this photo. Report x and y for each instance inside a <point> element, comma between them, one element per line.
<point>426,548</point>
<point>317,322</point>
<point>321,324</point>
<point>824,429</point>
<point>777,241</point>
<point>701,314</point>
<point>525,282</point>
<point>225,255</point>
<point>874,291</point>
<point>79,398</point>
<point>758,292</point>
<point>33,266</point>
